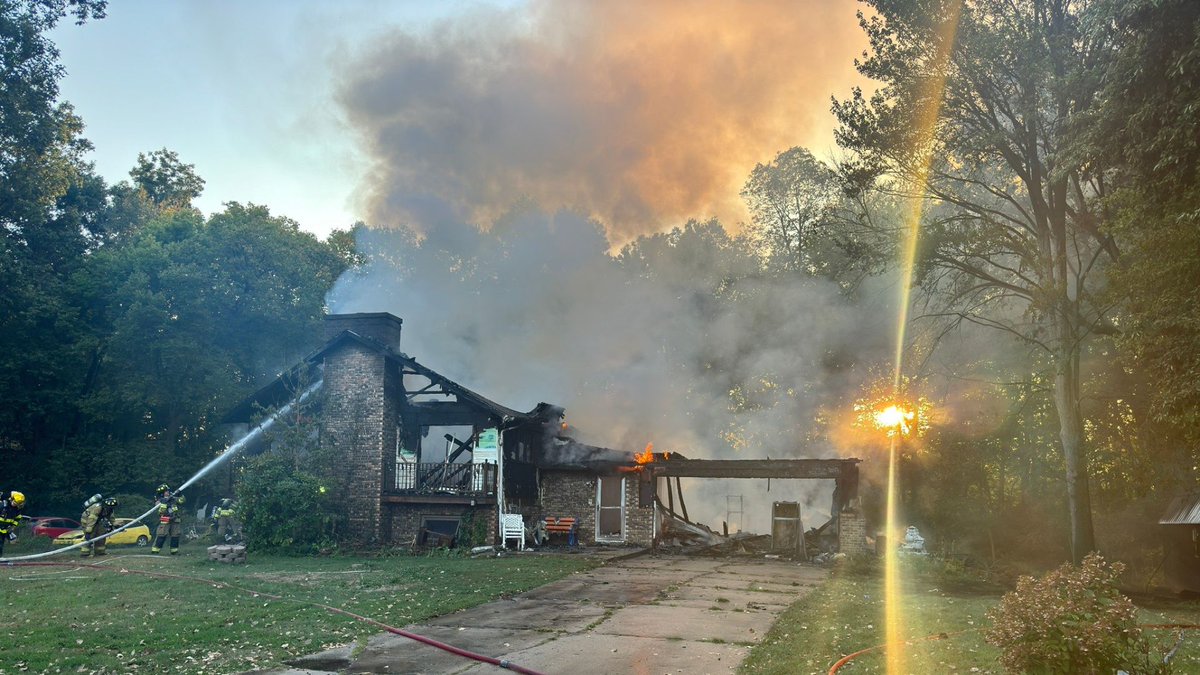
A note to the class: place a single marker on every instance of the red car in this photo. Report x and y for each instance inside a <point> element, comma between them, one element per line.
<point>54,527</point>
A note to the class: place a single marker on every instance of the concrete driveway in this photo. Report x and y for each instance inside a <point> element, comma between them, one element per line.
<point>649,615</point>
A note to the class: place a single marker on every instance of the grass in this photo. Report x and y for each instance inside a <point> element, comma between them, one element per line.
<point>846,614</point>
<point>80,619</point>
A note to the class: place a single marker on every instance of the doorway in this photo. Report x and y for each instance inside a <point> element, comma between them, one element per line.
<point>610,508</point>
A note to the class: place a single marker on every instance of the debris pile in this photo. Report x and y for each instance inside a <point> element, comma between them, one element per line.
<point>681,535</point>
<point>677,532</point>
<point>695,538</point>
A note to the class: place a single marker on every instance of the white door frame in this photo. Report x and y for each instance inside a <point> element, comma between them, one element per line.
<point>599,492</point>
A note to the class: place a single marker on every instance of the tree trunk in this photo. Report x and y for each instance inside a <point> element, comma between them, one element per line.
<point>1070,422</point>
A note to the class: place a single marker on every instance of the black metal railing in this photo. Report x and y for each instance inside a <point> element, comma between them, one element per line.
<point>440,478</point>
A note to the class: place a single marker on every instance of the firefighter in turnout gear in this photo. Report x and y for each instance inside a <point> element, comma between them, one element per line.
<point>168,518</point>
<point>228,527</point>
<point>11,504</point>
<point>97,522</point>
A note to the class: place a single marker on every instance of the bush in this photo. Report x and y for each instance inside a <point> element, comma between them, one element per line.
<point>1071,620</point>
<point>473,530</point>
<point>282,507</point>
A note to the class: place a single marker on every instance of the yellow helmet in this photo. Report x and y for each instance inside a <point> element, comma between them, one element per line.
<point>17,498</point>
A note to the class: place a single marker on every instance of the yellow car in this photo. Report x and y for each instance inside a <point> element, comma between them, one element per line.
<point>138,534</point>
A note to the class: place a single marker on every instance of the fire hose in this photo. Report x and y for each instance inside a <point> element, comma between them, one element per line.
<point>229,452</point>
<point>946,636</point>
<point>457,651</point>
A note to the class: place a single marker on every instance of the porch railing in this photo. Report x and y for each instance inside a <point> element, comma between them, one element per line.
<point>440,478</point>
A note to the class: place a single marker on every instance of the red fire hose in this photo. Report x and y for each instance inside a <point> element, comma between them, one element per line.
<point>850,657</point>
<point>336,610</point>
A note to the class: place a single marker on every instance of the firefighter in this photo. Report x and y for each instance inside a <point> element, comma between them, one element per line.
<point>228,527</point>
<point>97,522</point>
<point>168,518</point>
<point>11,504</point>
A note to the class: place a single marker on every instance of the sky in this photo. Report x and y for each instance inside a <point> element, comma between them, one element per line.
<point>533,137</point>
<point>640,115</point>
<point>242,90</point>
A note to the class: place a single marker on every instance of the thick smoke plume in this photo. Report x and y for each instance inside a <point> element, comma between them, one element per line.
<point>639,114</point>
<point>654,346</point>
<point>513,151</point>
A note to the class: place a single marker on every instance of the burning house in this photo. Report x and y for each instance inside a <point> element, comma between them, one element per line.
<point>426,455</point>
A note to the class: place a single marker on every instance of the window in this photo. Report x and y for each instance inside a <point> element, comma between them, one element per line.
<point>438,531</point>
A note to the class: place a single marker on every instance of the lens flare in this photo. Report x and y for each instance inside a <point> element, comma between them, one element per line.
<point>926,122</point>
<point>894,419</point>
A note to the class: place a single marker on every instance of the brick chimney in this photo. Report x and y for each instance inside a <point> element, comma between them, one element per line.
<point>360,417</point>
<point>379,326</point>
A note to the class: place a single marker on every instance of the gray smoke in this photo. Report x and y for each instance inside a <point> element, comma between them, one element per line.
<point>637,349</point>
<point>514,150</point>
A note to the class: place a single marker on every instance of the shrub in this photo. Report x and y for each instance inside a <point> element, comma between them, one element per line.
<point>1071,620</point>
<point>283,508</point>
<point>473,530</point>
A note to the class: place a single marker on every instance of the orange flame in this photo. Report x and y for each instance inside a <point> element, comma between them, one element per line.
<point>647,456</point>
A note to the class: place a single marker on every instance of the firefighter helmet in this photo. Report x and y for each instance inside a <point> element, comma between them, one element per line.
<point>111,502</point>
<point>17,499</point>
<point>163,488</point>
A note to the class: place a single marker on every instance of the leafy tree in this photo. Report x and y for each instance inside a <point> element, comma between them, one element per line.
<point>1151,102</point>
<point>800,221</point>
<point>49,205</point>
<point>1012,238</point>
<point>40,143</point>
<point>189,315</point>
<point>166,180</point>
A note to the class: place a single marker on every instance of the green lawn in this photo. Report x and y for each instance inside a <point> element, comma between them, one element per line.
<point>69,619</point>
<point>846,615</point>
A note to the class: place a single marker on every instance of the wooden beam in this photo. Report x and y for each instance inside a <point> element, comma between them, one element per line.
<point>755,468</point>
<point>448,414</point>
<point>682,506</point>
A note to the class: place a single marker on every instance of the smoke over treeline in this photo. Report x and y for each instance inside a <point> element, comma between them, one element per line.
<point>639,114</point>
<point>514,151</point>
<point>680,340</point>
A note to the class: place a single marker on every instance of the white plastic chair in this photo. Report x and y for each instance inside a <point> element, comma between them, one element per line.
<point>512,526</point>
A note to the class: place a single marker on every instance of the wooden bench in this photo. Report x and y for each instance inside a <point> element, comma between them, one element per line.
<point>568,526</point>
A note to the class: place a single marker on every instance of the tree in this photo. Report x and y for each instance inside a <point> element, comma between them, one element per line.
<point>188,316</point>
<point>791,201</point>
<point>1151,102</point>
<point>166,180</point>
<point>49,205</point>
<point>1013,237</point>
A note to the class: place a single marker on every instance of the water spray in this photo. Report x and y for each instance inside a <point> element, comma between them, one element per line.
<point>229,452</point>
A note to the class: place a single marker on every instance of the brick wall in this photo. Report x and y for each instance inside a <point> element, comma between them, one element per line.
<point>852,533</point>
<point>639,522</point>
<point>355,417</point>
<point>569,493</point>
<point>379,326</point>
<point>403,521</point>
<point>573,493</point>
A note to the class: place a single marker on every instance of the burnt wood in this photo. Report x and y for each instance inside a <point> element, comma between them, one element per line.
<point>756,468</point>
<point>470,500</point>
